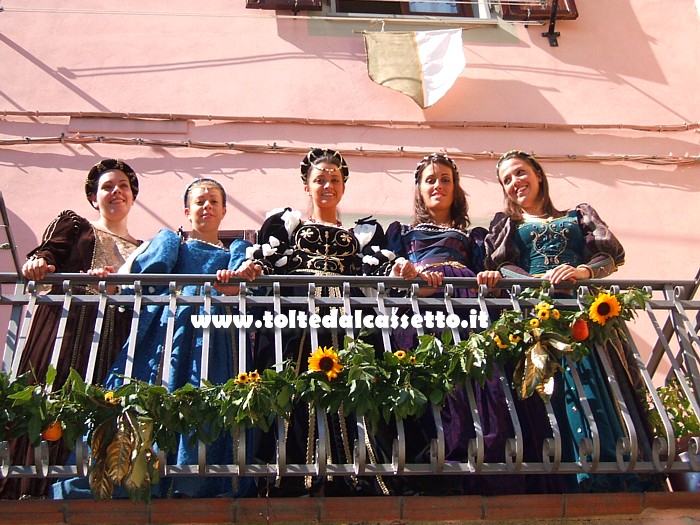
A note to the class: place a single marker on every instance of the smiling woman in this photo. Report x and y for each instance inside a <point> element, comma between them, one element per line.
<point>317,245</point>
<point>535,239</point>
<point>73,244</point>
<point>437,244</point>
<point>167,253</point>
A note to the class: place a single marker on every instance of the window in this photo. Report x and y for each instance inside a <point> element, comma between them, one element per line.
<point>520,10</point>
<point>441,8</point>
<point>538,11</point>
<point>286,5</point>
<point>459,8</point>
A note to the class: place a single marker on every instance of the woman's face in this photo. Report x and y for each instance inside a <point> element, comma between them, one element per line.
<point>325,185</point>
<point>114,198</point>
<point>437,188</point>
<point>205,209</point>
<point>521,183</point>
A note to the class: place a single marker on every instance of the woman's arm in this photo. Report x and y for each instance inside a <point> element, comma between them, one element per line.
<point>58,242</point>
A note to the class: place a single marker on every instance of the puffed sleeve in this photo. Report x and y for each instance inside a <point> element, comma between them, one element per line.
<point>273,248</point>
<point>603,253</point>
<point>238,253</point>
<point>394,239</point>
<point>60,239</point>
<point>477,238</point>
<point>374,250</point>
<point>158,256</point>
<point>501,253</point>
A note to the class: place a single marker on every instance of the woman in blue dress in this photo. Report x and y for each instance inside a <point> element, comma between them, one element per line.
<point>439,243</point>
<point>201,253</point>
<point>535,239</point>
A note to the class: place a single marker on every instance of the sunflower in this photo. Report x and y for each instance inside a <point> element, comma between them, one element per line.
<point>254,377</point>
<point>534,323</point>
<point>543,314</point>
<point>109,397</point>
<point>499,343</point>
<point>241,378</point>
<point>515,339</point>
<point>325,360</point>
<point>556,314</point>
<point>543,306</point>
<point>603,308</point>
<point>400,354</point>
<point>412,360</point>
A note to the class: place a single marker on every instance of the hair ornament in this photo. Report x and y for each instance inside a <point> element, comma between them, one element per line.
<point>527,157</point>
<point>204,183</point>
<point>98,169</point>
<point>316,155</point>
<point>435,158</point>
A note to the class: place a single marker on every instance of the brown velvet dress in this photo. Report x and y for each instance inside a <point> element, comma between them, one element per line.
<point>72,244</point>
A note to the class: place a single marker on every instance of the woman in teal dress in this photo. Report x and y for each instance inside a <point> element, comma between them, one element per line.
<point>534,239</point>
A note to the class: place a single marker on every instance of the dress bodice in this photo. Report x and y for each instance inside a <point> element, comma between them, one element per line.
<point>545,244</point>
<point>324,248</point>
<point>110,249</point>
<point>428,245</point>
<point>289,245</point>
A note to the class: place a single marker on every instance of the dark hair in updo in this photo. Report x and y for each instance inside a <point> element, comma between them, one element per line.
<point>93,177</point>
<point>316,156</point>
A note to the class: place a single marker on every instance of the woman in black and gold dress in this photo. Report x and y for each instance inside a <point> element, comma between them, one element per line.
<point>318,244</point>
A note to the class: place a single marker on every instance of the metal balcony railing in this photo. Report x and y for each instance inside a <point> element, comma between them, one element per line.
<point>663,344</point>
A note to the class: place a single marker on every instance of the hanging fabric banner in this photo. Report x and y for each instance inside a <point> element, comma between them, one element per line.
<point>421,64</point>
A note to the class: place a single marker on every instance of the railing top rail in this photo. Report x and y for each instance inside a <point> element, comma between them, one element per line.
<point>292,280</point>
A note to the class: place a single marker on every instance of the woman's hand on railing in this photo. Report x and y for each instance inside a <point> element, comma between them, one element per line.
<point>407,270</point>
<point>36,268</point>
<point>566,272</point>
<point>489,277</point>
<point>103,272</point>
<point>248,271</point>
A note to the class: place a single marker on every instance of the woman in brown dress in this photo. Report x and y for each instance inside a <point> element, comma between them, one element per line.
<point>73,244</point>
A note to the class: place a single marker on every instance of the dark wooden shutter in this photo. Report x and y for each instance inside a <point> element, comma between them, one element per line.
<point>285,5</point>
<point>539,11</point>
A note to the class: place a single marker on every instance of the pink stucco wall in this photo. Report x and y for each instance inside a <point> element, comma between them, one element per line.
<point>621,63</point>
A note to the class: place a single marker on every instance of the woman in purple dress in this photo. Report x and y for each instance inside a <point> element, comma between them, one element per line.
<point>438,243</point>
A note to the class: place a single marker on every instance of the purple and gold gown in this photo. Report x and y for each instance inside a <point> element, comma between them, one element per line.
<point>455,253</point>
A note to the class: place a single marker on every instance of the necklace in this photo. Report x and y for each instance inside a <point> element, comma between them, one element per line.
<point>217,245</point>
<point>532,216</point>
<point>336,223</point>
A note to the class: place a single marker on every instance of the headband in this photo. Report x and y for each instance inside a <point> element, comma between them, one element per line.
<point>329,155</point>
<point>435,158</point>
<point>204,183</point>
<point>521,154</point>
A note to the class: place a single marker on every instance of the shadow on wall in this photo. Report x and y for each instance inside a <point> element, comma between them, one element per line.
<point>25,239</point>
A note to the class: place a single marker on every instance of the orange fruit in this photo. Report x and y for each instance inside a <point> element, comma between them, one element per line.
<point>579,330</point>
<point>53,432</point>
